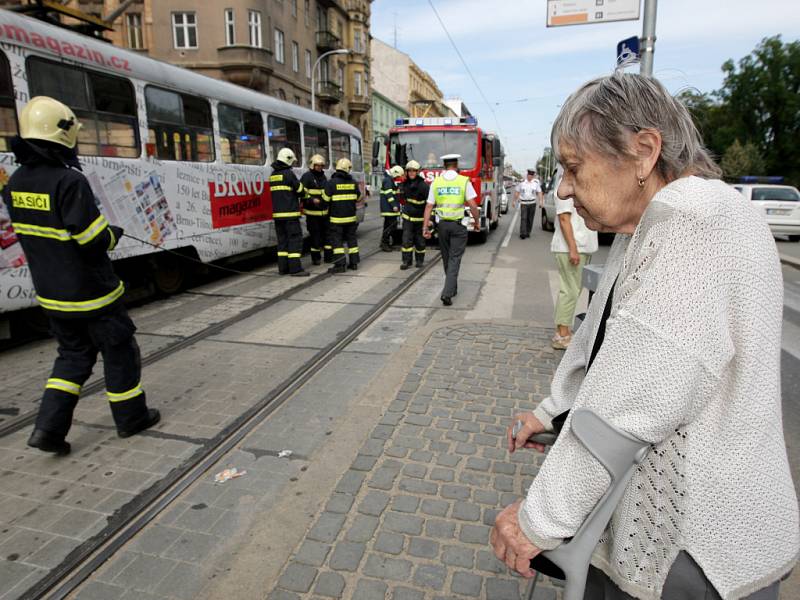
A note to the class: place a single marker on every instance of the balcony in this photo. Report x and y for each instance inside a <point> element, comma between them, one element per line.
<point>327,40</point>
<point>245,65</point>
<point>329,92</point>
<point>359,104</point>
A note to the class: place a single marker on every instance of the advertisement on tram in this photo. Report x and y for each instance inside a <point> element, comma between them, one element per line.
<point>177,159</point>
<point>427,139</point>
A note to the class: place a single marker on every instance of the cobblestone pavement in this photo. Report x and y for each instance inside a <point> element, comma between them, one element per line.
<point>410,518</point>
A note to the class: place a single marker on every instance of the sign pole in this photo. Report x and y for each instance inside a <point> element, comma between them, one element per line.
<point>648,38</point>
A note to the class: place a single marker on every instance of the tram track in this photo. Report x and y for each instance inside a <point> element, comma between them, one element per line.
<point>27,418</point>
<point>66,577</point>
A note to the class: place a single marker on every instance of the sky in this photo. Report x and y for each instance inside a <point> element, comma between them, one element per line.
<point>526,70</point>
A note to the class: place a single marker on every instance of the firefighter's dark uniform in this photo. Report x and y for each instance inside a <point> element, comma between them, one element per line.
<point>415,191</point>
<point>341,192</point>
<point>390,209</point>
<point>66,240</point>
<point>287,193</point>
<point>316,214</point>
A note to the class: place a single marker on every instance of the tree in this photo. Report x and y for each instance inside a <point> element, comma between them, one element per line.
<point>742,159</point>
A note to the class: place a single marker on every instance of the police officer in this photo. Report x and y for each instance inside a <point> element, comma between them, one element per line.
<point>66,240</point>
<point>315,208</point>
<point>341,192</point>
<point>390,206</point>
<point>415,191</point>
<point>287,193</point>
<point>448,194</point>
<point>527,193</point>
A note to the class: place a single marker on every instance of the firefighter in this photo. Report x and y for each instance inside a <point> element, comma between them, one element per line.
<point>390,206</point>
<point>66,241</point>
<point>448,194</point>
<point>415,191</point>
<point>316,209</point>
<point>341,192</point>
<point>287,194</point>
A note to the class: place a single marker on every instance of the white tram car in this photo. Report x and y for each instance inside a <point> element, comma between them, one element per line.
<point>178,159</point>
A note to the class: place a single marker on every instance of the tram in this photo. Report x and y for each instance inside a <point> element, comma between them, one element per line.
<point>178,159</point>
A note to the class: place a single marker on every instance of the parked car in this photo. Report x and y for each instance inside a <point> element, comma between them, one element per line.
<point>503,202</point>
<point>549,210</point>
<point>780,205</point>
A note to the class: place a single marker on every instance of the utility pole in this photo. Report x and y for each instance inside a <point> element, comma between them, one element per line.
<point>648,41</point>
<point>395,31</point>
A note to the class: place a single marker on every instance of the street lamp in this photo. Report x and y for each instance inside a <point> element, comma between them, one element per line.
<point>314,71</point>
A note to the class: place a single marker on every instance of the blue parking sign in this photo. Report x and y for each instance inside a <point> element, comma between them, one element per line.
<point>628,51</point>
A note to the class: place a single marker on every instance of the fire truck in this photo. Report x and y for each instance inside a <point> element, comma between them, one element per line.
<point>427,139</point>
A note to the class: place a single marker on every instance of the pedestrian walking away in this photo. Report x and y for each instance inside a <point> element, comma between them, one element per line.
<point>527,192</point>
<point>66,242</point>
<point>448,194</point>
<point>678,352</point>
<point>390,206</point>
<point>287,196</point>
<point>341,192</point>
<point>572,246</point>
<point>315,209</point>
<point>415,194</point>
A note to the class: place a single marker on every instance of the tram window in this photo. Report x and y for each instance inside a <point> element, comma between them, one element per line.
<point>340,142</point>
<point>357,160</point>
<point>283,134</point>
<point>105,105</point>
<point>178,126</point>
<point>241,135</point>
<point>8,115</point>
<point>316,140</point>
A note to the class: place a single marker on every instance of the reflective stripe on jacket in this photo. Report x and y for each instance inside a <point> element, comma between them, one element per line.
<point>314,186</point>
<point>388,196</point>
<point>286,190</point>
<point>341,192</point>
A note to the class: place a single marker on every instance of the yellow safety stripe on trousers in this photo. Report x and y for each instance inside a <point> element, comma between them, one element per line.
<point>285,215</point>
<point>282,253</point>
<point>316,213</point>
<point>413,219</point>
<point>390,214</point>
<point>54,383</point>
<point>342,197</point>
<point>420,251</point>
<point>119,397</point>
<point>91,232</point>
<point>61,235</point>
<point>314,249</point>
<point>281,188</point>
<point>294,255</point>
<point>112,241</point>
<point>353,250</point>
<point>408,249</point>
<point>340,220</point>
<point>412,201</point>
<point>328,247</point>
<point>315,191</point>
<point>338,250</point>
<point>84,305</point>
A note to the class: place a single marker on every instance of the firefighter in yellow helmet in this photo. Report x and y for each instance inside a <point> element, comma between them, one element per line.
<point>315,208</point>
<point>415,194</point>
<point>66,242</point>
<point>287,194</point>
<point>342,193</point>
<point>390,206</point>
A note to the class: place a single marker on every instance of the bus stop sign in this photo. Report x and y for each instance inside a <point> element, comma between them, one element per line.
<point>628,51</point>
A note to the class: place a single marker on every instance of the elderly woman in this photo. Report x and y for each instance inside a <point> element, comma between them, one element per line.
<point>680,348</point>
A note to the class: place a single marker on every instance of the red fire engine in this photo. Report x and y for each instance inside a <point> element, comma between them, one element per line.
<point>426,139</point>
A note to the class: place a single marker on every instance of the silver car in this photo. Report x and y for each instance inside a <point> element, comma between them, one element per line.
<point>780,205</point>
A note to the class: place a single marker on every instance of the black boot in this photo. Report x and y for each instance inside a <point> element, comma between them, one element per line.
<point>404,266</point>
<point>49,442</point>
<point>337,268</point>
<point>301,274</point>
<point>315,261</point>
<point>352,267</point>
<point>152,417</point>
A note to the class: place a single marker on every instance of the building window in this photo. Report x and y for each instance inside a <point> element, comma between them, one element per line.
<point>295,57</point>
<point>254,25</point>
<point>308,64</point>
<point>241,135</point>
<point>184,30</point>
<point>230,27</point>
<point>322,19</point>
<point>179,126</point>
<point>357,44</point>
<point>358,90</point>
<point>307,12</point>
<point>134,25</point>
<point>340,75</point>
<point>297,100</point>
<point>278,50</point>
<point>293,4</point>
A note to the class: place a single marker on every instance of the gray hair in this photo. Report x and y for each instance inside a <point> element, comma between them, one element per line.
<point>604,112</point>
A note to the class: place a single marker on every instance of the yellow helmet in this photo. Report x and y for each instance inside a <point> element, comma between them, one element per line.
<point>286,156</point>
<point>344,164</point>
<point>45,118</point>
<point>412,165</point>
<point>396,171</point>
<point>316,160</point>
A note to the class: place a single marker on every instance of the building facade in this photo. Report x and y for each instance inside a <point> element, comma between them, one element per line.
<point>384,114</point>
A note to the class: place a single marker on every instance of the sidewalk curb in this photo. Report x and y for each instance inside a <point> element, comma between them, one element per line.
<point>789,260</point>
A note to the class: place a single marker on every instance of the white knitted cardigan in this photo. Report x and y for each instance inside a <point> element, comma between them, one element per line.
<point>690,362</point>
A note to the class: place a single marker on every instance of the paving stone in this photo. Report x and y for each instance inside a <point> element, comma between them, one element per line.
<point>362,528</point>
<point>184,582</point>
<point>456,492</point>
<point>97,590</point>
<point>364,463</point>
<point>390,543</point>
<point>478,464</point>
<point>402,593</point>
<point>448,460</point>
<point>347,556</point>
<point>373,447</point>
<point>440,529</point>
<point>474,534</point>
<point>458,556</point>
<point>430,576</point>
<point>382,432</point>
<point>440,474</point>
<point>406,504</point>
<point>486,561</point>
<point>327,527</point>
<point>144,573</point>
<point>297,577</point>
<point>435,508</point>
<point>397,451</point>
<point>421,456</point>
<point>312,553</point>
<point>489,516</point>
<point>369,589</point>
<point>415,470</point>
<point>423,548</point>
<point>467,584</point>
<point>340,503</point>
<point>330,585</point>
<point>474,479</point>
<point>374,503</point>
<point>418,486</point>
<point>502,589</point>
<point>543,593</point>
<point>402,523</point>
<point>387,568</point>
<point>486,497</point>
<point>350,482</point>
